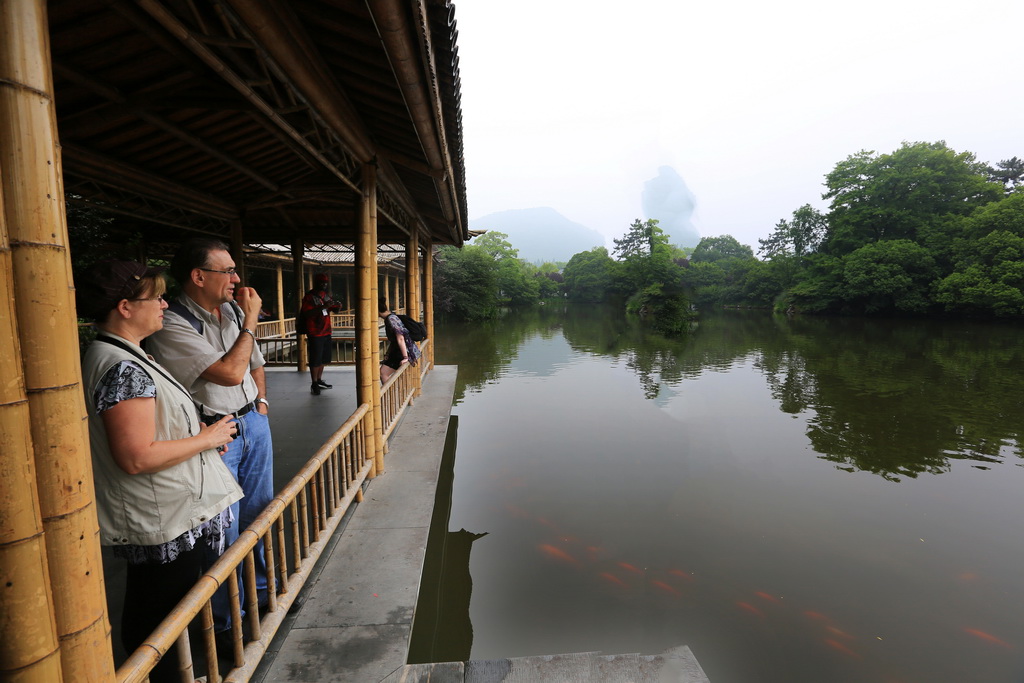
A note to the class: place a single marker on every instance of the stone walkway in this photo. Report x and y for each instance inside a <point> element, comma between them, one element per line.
<point>354,617</point>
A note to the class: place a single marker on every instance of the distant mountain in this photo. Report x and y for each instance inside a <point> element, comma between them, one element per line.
<point>540,234</point>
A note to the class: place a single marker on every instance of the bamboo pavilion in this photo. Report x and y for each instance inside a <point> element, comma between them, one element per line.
<point>261,122</point>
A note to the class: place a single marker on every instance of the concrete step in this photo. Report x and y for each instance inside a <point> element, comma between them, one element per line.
<point>676,665</point>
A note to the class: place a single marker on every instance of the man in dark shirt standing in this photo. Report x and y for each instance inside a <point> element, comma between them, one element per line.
<point>317,307</point>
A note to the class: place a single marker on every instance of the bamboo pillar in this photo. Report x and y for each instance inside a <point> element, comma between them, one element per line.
<point>428,298</point>
<point>412,277</point>
<point>395,302</point>
<point>280,300</point>
<point>29,649</point>
<point>348,292</point>
<point>238,250</point>
<point>33,203</point>
<point>298,254</point>
<point>367,344</point>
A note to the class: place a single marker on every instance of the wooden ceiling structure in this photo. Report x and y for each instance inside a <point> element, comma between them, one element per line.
<point>189,117</point>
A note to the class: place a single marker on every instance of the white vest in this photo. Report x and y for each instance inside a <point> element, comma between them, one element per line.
<point>150,509</point>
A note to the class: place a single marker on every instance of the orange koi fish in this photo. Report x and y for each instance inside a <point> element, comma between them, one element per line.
<point>750,608</point>
<point>839,647</point>
<point>611,578</point>
<point>766,596</point>
<point>630,568</point>
<point>556,553</point>
<point>988,637</point>
<point>664,587</point>
<point>839,633</point>
<point>681,574</point>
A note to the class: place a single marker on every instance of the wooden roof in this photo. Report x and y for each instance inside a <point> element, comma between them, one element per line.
<point>187,115</point>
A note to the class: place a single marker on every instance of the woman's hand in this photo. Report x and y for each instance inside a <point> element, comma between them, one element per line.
<point>220,432</point>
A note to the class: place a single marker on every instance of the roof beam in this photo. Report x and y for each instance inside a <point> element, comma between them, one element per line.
<point>127,177</point>
<point>113,95</point>
<point>198,47</point>
<point>404,52</point>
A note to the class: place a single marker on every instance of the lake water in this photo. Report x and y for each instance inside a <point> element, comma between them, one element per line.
<point>798,500</point>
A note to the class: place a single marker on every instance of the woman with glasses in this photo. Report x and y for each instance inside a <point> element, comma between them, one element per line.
<point>163,493</point>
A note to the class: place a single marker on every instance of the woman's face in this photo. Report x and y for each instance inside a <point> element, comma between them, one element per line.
<point>148,308</point>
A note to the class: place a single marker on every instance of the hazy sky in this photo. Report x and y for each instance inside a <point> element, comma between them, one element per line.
<point>574,104</point>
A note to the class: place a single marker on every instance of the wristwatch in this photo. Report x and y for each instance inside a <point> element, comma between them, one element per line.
<point>263,401</point>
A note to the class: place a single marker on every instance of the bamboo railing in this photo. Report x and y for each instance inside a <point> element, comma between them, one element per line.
<point>275,328</point>
<point>295,528</point>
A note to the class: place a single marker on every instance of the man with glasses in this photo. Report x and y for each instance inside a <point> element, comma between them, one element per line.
<point>208,344</point>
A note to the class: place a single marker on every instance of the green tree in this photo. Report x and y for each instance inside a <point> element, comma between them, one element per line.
<point>820,286</point>
<point>892,196</point>
<point>466,283</point>
<point>588,275</point>
<point>799,236</point>
<point>496,245</point>
<point>1009,173</point>
<point>646,256</point>
<point>987,276</point>
<point>711,249</point>
<point>894,275</point>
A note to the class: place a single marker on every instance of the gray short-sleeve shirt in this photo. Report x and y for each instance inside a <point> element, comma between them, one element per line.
<point>186,355</point>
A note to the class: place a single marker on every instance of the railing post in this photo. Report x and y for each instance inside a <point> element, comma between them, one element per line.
<point>428,299</point>
<point>280,301</point>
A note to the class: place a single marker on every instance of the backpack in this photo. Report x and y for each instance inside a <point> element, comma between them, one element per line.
<point>417,331</point>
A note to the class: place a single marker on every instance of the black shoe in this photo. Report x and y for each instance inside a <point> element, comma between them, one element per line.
<point>314,389</point>
<point>324,385</point>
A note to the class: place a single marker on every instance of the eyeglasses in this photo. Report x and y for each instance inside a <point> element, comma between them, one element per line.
<point>229,272</point>
<point>148,298</point>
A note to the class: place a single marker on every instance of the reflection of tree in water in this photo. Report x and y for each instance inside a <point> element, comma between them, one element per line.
<point>654,359</point>
<point>898,398</point>
<point>484,350</point>
<point>893,397</point>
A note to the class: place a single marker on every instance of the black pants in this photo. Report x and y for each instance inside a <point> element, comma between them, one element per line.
<point>151,592</point>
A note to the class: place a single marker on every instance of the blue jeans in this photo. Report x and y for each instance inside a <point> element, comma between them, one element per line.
<point>250,458</point>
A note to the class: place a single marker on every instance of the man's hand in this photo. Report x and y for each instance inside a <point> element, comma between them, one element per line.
<point>249,301</point>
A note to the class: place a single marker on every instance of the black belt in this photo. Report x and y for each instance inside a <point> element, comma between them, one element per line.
<point>238,413</point>
<point>245,409</point>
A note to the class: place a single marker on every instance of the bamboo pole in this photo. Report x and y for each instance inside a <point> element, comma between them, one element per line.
<point>412,275</point>
<point>428,298</point>
<point>280,300</point>
<point>298,252</point>
<point>367,345</point>
<point>45,322</point>
<point>28,635</point>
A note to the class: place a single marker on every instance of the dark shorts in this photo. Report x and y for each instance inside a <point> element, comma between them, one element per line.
<point>319,350</point>
<point>393,359</point>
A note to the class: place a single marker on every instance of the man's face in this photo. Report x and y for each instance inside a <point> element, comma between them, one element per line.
<point>220,286</point>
